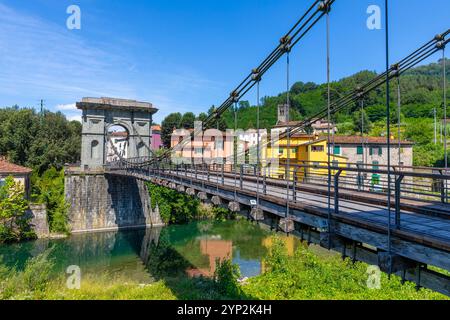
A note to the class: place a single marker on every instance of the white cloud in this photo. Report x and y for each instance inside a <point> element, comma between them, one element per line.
<point>66,107</point>
<point>74,118</point>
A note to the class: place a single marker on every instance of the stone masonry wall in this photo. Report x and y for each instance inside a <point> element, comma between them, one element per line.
<point>39,223</point>
<point>108,202</point>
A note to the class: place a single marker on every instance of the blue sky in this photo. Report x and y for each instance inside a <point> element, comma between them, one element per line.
<point>187,55</point>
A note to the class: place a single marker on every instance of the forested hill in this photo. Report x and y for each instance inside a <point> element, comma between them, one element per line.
<point>421,91</point>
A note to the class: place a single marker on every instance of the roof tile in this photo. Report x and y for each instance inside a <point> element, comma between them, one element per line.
<point>8,167</point>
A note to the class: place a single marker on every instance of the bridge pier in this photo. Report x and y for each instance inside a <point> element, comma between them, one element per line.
<point>257,214</point>
<point>286,225</point>
<point>100,201</point>
<point>216,200</point>
<point>234,206</point>
<point>202,196</point>
<point>190,192</point>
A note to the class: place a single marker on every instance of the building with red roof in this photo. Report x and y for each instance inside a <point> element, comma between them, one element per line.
<point>19,173</point>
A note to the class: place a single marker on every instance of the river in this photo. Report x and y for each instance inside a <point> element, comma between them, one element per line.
<point>147,255</point>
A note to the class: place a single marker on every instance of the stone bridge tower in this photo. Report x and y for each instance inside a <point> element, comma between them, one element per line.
<point>100,114</point>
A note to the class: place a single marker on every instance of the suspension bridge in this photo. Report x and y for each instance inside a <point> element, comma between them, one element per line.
<point>403,226</point>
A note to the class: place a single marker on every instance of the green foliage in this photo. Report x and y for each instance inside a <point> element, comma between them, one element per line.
<point>14,223</point>
<point>222,214</point>
<point>277,258</point>
<point>187,121</point>
<point>226,277</point>
<point>361,122</point>
<point>306,276</point>
<point>31,283</point>
<point>172,121</point>
<point>49,189</point>
<point>174,207</point>
<point>39,142</point>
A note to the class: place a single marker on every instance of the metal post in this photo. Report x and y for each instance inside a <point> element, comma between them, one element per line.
<point>264,181</point>
<point>398,191</point>
<point>336,191</point>
<point>442,187</point>
<point>240,177</point>
<point>223,174</point>
<point>294,187</point>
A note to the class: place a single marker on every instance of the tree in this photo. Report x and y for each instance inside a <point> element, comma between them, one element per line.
<point>172,121</point>
<point>202,117</point>
<point>14,224</point>
<point>187,121</point>
<point>39,141</point>
<point>49,189</point>
<point>219,123</point>
<point>361,122</point>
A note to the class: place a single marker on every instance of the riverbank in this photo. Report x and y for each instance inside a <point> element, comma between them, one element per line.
<point>177,262</point>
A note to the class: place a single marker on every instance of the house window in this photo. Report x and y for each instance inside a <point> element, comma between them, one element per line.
<point>376,150</point>
<point>218,145</point>
<point>280,151</point>
<point>375,165</point>
<point>360,164</point>
<point>335,163</point>
<point>337,150</point>
<point>359,150</point>
<point>198,150</point>
<point>317,148</point>
<point>316,164</point>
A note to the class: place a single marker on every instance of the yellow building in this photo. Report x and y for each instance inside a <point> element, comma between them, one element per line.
<point>308,157</point>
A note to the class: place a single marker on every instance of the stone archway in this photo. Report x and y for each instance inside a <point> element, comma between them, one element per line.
<point>100,114</point>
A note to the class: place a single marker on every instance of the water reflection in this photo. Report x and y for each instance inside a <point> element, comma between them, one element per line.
<point>145,255</point>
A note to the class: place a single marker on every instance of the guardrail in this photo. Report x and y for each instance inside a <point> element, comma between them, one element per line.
<point>427,185</point>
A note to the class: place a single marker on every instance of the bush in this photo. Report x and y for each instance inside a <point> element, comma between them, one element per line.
<point>14,223</point>
<point>226,277</point>
<point>49,189</point>
<point>31,283</point>
<point>276,260</point>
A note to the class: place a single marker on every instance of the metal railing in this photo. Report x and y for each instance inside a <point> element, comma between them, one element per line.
<point>357,189</point>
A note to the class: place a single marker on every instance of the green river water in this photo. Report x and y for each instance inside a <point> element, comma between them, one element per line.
<point>150,254</point>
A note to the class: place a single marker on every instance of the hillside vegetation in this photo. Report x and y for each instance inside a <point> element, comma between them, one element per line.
<point>421,93</point>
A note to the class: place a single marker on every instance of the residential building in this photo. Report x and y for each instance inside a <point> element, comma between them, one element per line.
<point>373,151</point>
<point>214,145</point>
<point>321,127</point>
<point>318,126</point>
<point>305,149</point>
<point>156,141</point>
<point>19,173</point>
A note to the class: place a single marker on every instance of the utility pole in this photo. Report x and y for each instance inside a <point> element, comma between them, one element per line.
<point>41,113</point>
